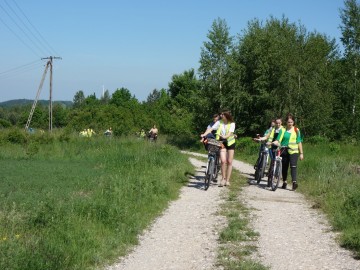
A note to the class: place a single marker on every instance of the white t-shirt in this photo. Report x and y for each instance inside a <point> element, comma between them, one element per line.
<point>223,128</point>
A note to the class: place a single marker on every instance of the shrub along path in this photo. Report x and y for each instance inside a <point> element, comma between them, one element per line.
<point>293,235</point>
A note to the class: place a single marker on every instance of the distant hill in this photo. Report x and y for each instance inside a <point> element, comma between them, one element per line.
<point>24,102</point>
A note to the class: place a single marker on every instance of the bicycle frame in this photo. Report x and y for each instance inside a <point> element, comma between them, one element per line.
<point>275,171</point>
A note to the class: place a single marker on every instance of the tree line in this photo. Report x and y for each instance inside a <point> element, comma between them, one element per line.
<point>269,69</point>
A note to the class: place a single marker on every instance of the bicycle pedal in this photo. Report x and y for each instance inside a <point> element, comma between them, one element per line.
<point>203,166</point>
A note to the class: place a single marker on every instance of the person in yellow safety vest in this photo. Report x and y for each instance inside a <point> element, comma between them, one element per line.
<point>290,137</point>
<point>225,129</point>
<point>90,132</point>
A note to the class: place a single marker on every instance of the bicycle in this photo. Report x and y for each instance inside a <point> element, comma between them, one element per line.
<point>262,161</point>
<point>275,170</point>
<point>213,165</point>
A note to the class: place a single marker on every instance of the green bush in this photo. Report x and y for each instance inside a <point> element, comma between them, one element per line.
<point>334,147</point>
<point>4,123</point>
<point>17,137</point>
<point>317,139</point>
<point>247,145</point>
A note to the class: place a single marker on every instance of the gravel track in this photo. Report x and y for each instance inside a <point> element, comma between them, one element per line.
<point>185,236</point>
<point>293,235</point>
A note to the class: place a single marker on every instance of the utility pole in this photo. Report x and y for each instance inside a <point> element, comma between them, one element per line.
<point>50,98</point>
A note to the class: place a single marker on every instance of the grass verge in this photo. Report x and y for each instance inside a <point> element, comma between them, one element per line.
<point>81,202</point>
<point>238,239</point>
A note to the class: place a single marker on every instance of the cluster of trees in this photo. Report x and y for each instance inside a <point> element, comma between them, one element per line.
<point>268,70</point>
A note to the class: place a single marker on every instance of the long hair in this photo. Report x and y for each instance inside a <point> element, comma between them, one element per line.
<point>228,116</point>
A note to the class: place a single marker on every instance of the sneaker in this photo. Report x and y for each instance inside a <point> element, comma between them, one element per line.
<point>214,180</point>
<point>227,183</point>
<point>294,186</point>
<point>284,185</point>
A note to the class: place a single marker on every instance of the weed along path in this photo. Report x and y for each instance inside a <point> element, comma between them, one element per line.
<point>185,236</point>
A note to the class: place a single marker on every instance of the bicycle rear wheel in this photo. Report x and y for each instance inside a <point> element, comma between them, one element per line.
<point>210,172</point>
<point>276,176</point>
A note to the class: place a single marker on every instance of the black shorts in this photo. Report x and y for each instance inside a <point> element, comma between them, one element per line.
<point>231,147</point>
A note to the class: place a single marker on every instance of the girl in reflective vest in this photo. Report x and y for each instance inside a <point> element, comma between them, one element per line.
<point>290,137</point>
<point>225,128</point>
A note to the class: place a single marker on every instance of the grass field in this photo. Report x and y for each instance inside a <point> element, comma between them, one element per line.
<point>79,203</point>
<point>328,176</point>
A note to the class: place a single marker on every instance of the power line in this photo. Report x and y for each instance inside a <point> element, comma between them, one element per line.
<point>23,42</point>
<point>27,28</point>
<point>21,29</point>
<point>22,12</point>
<point>21,69</point>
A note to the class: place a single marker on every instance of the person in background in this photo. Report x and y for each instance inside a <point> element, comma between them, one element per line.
<point>213,133</point>
<point>153,133</point>
<point>142,134</point>
<point>108,132</point>
<point>264,138</point>
<point>225,129</point>
<point>291,138</point>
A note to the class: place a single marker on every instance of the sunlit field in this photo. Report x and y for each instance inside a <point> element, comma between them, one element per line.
<point>79,203</point>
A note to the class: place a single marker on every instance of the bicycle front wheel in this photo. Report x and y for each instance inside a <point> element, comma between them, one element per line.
<point>276,176</point>
<point>263,165</point>
<point>258,173</point>
<point>210,173</point>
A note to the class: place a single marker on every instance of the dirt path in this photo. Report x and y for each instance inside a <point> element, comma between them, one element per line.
<point>185,236</point>
<point>292,234</point>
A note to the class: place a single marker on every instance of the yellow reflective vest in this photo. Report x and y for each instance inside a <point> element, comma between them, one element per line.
<point>272,134</point>
<point>231,139</point>
<point>293,145</point>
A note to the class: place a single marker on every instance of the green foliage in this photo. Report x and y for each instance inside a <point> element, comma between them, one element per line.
<point>79,204</point>
<point>247,145</point>
<point>4,123</point>
<point>16,136</point>
<point>79,99</point>
<point>334,147</point>
<point>317,139</point>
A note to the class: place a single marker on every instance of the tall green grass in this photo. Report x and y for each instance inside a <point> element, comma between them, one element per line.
<point>80,203</point>
<point>330,177</point>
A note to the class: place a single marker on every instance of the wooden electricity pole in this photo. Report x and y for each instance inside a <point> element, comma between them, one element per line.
<point>50,98</point>
<point>48,65</point>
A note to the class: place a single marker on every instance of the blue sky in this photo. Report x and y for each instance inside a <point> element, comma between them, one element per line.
<point>135,44</point>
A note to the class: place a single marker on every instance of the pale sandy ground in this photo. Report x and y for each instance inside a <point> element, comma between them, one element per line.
<point>292,234</point>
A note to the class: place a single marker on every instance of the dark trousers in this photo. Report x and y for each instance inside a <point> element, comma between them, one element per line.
<point>291,160</point>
